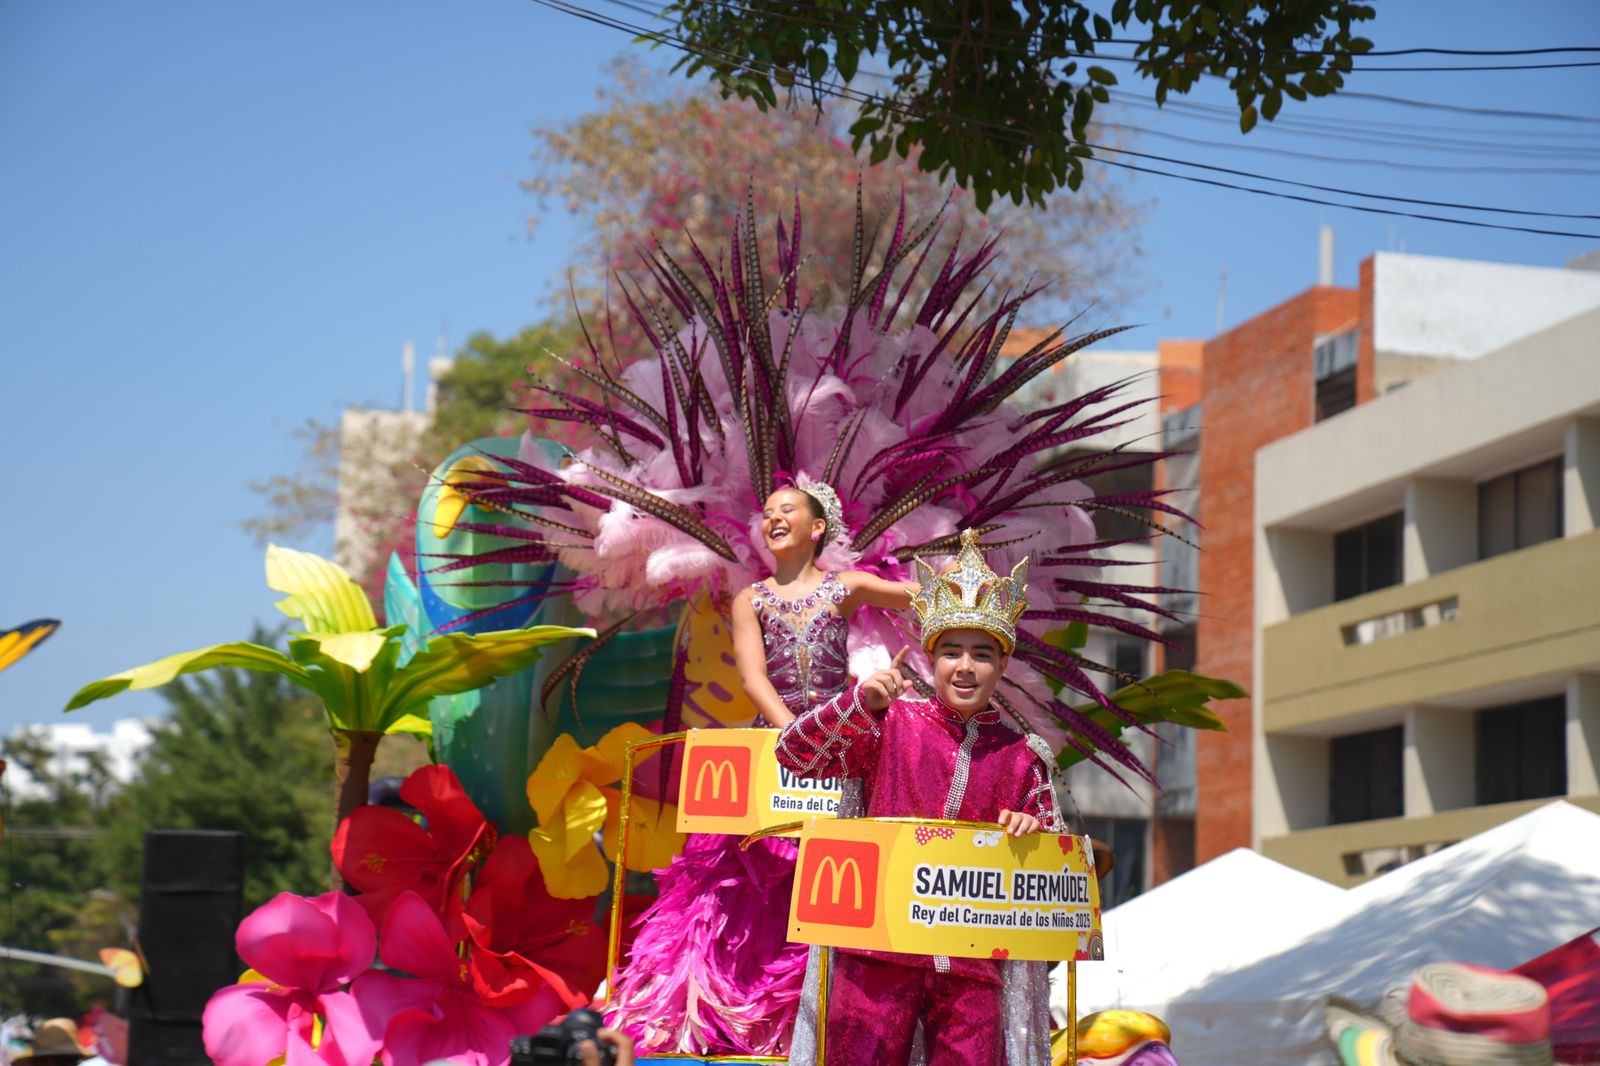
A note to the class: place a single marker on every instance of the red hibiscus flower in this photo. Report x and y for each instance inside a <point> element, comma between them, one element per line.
<point>382,853</point>
<point>523,939</point>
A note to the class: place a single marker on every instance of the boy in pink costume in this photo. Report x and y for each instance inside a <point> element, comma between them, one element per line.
<point>946,757</point>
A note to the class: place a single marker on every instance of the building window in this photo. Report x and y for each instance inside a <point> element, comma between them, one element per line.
<point>1333,368</point>
<point>1519,509</point>
<point>1365,776</point>
<point>1127,657</point>
<point>1119,521</point>
<point>1367,558</point>
<point>1127,838</point>
<point>1336,393</point>
<point>1179,655</point>
<point>1522,751</point>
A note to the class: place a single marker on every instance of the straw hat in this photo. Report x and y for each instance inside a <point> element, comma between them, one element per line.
<point>54,1041</point>
<point>1451,1015</point>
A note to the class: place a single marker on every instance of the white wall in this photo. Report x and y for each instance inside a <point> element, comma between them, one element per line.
<point>1518,396</point>
<point>1461,309</point>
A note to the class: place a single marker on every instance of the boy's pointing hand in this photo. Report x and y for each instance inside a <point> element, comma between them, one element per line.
<point>887,685</point>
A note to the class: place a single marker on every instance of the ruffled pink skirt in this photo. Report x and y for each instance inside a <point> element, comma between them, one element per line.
<point>712,971</point>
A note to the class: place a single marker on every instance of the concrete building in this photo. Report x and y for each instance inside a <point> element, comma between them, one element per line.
<point>1426,638</point>
<point>1306,362</point>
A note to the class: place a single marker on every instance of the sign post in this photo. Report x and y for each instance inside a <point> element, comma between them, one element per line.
<point>732,783</point>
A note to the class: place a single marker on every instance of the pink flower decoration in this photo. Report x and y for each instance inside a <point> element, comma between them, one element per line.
<point>306,949</point>
<point>435,1013</point>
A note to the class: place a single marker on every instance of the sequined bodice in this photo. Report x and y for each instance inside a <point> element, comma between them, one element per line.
<point>805,639</point>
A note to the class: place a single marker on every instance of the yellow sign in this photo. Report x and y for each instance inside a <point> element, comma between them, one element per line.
<point>731,783</point>
<point>936,887</point>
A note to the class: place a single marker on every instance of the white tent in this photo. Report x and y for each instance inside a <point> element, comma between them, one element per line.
<point>1170,940</point>
<point>1496,899</point>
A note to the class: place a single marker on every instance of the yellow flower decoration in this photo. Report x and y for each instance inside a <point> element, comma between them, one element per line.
<point>569,795</point>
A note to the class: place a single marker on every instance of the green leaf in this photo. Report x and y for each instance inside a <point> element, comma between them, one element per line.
<point>1102,27</point>
<point>1102,76</point>
<point>816,63</point>
<point>1270,104</point>
<point>1176,696</point>
<point>460,662</point>
<point>845,57</point>
<point>321,594</point>
<point>1247,120</point>
<point>241,654</point>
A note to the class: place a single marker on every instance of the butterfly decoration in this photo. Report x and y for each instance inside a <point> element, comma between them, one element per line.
<point>15,643</point>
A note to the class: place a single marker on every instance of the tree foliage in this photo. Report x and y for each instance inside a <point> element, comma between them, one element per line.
<point>650,167</point>
<point>999,96</point>
<point>240,750</point>
<point>243,751</point>
<point>480,394</point>
<point>52,873</point>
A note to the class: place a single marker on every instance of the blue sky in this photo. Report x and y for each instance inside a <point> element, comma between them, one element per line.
<point>219,219</point>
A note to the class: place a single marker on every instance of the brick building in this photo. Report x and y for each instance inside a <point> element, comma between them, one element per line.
<point>1304,361</point>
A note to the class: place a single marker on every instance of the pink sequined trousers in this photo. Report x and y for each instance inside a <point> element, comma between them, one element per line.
<point>874,1007</point>
<point>712,971</point>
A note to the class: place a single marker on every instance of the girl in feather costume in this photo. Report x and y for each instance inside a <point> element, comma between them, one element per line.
<point>899,400</point>
<point>711,969</point>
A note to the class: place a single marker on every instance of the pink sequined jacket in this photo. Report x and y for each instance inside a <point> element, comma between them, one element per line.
<point>919,759</point>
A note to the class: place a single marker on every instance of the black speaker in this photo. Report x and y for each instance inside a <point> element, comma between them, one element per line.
<point>190,898</point>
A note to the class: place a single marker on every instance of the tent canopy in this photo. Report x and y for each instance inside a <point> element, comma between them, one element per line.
<point>1171,939</point>
<point>1496,899</point>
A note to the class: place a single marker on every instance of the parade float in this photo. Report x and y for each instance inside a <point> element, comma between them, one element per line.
<point>564,623</point>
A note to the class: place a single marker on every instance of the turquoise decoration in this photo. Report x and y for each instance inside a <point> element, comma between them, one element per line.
<point>494,737</point>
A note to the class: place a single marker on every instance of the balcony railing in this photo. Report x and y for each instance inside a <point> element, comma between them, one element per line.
<point>1518,616</point>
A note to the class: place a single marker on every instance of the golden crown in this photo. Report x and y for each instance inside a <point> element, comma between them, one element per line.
<point>971,596</point>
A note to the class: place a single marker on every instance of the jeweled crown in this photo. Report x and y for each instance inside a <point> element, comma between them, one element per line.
<point>971,596</point>
<point>832,508</point>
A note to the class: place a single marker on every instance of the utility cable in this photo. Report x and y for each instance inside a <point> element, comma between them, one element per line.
<point>1390,164</point>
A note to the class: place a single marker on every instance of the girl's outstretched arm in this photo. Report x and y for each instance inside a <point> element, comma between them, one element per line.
<point>750,656</point>
<point>869,590</point>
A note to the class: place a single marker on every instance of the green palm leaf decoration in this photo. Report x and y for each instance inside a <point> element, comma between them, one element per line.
<point>1176,696</point>
<point>348,662</point>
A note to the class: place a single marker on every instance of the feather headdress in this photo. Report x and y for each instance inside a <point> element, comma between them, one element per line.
<point>898,402</point>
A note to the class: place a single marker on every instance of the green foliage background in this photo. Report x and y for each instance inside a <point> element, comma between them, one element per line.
<point>242,751</point>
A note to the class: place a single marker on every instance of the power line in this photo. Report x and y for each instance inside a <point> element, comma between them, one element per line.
<point>1433,105</point>
<point>1341,132</point>
<point>1337,190</point>
<point>1408,51</point>
<point>1389,164</point>
<point>1407,129</point>
<point>1003,132</point>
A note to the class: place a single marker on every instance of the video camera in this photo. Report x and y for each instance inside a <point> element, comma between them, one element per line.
<point>558,1044</point>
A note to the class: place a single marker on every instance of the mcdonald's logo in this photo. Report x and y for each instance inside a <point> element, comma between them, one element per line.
<point>839,883</point>
<point>716,781</point>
